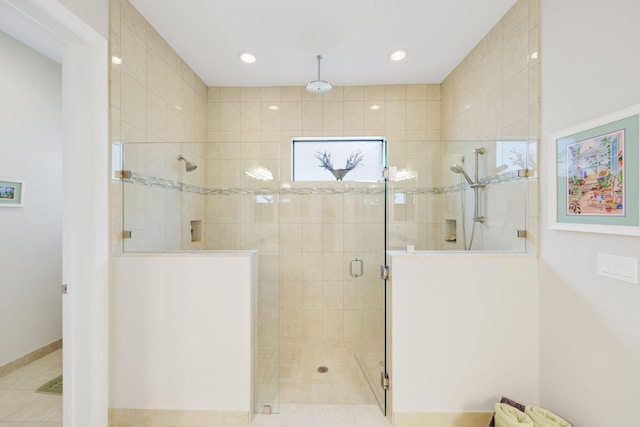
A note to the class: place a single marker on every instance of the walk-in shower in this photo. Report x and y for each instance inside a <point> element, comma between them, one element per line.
<point>313,310</point>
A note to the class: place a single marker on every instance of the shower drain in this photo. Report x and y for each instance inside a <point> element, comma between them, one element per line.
<point>323,369</point>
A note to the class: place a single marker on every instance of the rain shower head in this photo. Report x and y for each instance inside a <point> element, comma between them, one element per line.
<point>459,169</point>
<point>189,166</point>
<point>319,87</point>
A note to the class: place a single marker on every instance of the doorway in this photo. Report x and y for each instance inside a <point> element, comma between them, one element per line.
<point>85,256</point>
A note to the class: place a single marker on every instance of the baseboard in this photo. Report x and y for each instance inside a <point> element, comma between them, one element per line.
<point>442,419</point>
<point>176,418</point>
<point>28,358</point>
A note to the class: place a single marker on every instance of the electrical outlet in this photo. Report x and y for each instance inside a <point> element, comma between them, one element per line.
<point>618,268</point>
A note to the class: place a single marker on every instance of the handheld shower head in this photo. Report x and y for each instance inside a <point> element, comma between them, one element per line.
<point>459,169</point>
<point>189,166</point>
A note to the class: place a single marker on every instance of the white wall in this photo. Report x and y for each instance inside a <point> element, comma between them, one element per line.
<point>31,236</point>
<point>590,344</point>
<point>93,12</point>
<point>181,329</point>
<point>464,331</point>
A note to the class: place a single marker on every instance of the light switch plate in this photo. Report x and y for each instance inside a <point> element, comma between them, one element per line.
<point>618,268</point>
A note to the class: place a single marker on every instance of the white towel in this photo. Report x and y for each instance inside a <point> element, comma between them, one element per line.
<point>544,418</point>
<point>508,416</point>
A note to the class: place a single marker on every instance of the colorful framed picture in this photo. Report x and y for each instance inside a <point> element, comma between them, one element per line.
<point>594,179</point>
<point>11,194</point>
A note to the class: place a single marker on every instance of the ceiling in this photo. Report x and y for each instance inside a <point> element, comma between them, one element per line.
<point>21,28</point>
<point>355,38</point>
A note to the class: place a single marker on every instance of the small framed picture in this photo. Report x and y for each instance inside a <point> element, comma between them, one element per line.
<point>11,193</point>
<point>594,180</point>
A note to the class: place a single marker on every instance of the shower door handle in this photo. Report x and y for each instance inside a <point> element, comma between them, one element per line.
<point>356,267</point>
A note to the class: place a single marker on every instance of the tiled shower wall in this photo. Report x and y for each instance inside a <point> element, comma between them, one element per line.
<point>306,241</point>
<point>494,94</point>
<point>154,97</point>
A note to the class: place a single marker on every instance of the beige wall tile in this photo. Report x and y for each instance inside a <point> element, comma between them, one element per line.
<point>492,40</point>
<point>292,93</point>
<point>156,82</point>
<point>515,99</point>
<point>395,93</point>
<point>333,116</point>
<point>312,116</point>
<point>133,102</point>
<point>336,95</point>
<point>492,70</point>
<point>375,119</point>
<point>312,266</point>
<point>250,115</point>
<point>333,295</point>
<point>312,294</point>
<point>131,18</point>
<point>515,49</point>
<point>354,115</point>
<point>417,92</point>
<point>173,87</point>
<point>291,294</point>
<point>396,115</point>
<point>374,93</point>
<point>416,115</point>
<point>515,15</point>
<point>333,266</point>
<point>353,93</point>
<point>230,116</point>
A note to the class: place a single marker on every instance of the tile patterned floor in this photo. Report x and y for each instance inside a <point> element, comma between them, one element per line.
<point>323,415</point>
<point>20,405</point>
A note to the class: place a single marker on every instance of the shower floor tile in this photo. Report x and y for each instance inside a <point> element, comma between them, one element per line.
<point>342,383</point>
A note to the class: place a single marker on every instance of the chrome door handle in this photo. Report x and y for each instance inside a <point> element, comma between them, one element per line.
<point>360,264</point>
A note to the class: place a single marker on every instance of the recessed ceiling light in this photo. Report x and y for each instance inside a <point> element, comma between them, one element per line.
<point>247,57</point>
<point>274,107</point>
<point>374,107</point>
<point>116,60</point>
<point>398,55</point>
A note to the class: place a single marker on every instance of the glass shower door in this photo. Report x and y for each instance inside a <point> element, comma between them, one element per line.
<point>365,219</point>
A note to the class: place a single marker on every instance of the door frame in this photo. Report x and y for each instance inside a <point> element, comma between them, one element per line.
<point>85,228</point>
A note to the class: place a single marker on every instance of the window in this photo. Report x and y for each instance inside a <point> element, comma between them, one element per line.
<point>338,159</point>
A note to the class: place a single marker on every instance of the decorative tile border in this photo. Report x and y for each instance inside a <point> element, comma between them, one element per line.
<point>152,181</point>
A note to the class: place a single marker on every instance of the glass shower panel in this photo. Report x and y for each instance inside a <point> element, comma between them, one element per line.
<point>462,195</point>
<point>365,222</point>
<point>164,196</point>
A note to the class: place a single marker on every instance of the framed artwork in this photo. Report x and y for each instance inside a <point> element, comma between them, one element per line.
<point>338,159</point>
<point>11,194</point>
<point>594,178</point>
